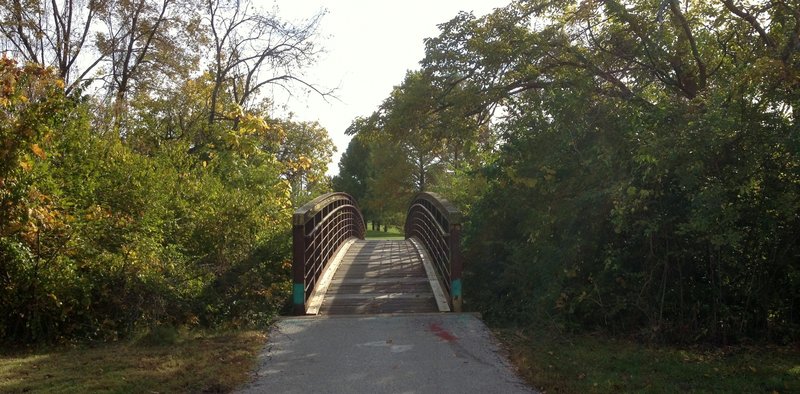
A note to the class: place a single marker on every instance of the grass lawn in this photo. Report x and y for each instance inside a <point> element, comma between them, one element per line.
<point>194,363</point>
<point>556,363</point>
<point>393,233</point>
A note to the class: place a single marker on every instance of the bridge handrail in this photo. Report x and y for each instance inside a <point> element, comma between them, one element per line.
<point>320,227</point>
<point>436,223</point>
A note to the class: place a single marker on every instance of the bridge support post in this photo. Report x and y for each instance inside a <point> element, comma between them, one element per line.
<point>298,269</point>
<point>456,262</point>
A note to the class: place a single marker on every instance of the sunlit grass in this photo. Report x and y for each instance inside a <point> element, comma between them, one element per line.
<point>556,363</point>
<point>195,363</point>
<point>391,233</point>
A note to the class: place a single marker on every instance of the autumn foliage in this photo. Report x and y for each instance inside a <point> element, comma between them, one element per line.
<point>98,239</point>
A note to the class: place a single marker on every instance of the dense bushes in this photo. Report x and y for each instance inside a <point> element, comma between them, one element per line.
<point>97,239</point>
<point>681,238</point>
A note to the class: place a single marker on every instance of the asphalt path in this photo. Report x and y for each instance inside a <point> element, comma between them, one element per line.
<point>420,353</point>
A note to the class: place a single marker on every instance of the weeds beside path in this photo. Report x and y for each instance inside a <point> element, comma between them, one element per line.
<point>194,363</point>
<point>557,363</point>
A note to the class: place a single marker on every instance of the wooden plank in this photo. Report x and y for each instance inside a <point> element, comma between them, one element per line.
<point>412,272</point>
<point>356,272</point>
<point>377,296</point>
<point>413,279</point>
<point>379,277</point>
<point>382,288</point>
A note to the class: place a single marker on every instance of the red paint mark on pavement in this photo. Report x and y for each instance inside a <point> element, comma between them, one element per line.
<point>440,332</point>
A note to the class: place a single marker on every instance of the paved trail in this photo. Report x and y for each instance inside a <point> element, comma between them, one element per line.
<point>414,353</point>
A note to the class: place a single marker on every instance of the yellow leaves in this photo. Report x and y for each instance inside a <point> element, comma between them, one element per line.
<point>33,79</point>
<point>237,112</point>
<point>256,124</point>
<point>303,163</point>
<point>261,127</point>
<point>38,151</point>
<point>46,217</point>
<point>231,138</point>
<point>96,212</point>
<point>285,191</point>
<point>300,165</point>
<point>25,165</point>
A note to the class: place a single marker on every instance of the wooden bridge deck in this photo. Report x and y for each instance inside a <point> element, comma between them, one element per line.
<point>378,276</point>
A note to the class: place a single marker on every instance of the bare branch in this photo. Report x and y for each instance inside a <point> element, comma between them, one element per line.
<point>252,50</point>
<point>749,18</point>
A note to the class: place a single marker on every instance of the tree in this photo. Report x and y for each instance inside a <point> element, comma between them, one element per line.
<point>305,151</point>
<point>53,33</point>
<point>251,49</point>
<point>147,42</point>
<point>391,184</point>
<point>354,169</point>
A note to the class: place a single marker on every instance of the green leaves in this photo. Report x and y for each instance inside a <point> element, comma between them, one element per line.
<point>99,238</point>
<point>646,177</point>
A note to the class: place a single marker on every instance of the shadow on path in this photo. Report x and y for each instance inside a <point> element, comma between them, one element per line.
<point>414,353</point>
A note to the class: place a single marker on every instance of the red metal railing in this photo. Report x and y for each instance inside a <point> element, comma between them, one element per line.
<point>320,229</point>
<point>436,223</point>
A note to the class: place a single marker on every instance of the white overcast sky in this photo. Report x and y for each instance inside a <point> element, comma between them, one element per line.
<point>369,46</point>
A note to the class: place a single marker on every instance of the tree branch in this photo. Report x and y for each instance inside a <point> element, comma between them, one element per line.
<point>751,20</point>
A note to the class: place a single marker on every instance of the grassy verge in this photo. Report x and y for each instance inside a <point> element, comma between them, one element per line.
<point>392,233</point>
<point>588,364</point>
<point>194,363</point>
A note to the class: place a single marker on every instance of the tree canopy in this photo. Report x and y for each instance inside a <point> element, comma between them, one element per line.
<point>630,165</point>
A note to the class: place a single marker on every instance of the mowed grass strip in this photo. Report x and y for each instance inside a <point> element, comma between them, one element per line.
<point>555,363</point>
<point>392,233</point>
<point>214,363</point>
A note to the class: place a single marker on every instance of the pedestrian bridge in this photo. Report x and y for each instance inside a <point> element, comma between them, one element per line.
<point>336,271</point>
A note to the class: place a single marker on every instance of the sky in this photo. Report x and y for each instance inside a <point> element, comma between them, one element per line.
<point>369,46</point>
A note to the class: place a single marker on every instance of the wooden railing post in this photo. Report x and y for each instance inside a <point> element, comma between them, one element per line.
<point>298,269</point>
<point>456,263</point>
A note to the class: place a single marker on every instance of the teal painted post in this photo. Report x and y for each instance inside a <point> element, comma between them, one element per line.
<point>456,262</point>
<point>298,269</point>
